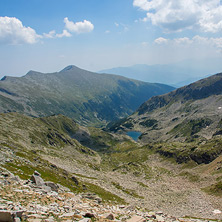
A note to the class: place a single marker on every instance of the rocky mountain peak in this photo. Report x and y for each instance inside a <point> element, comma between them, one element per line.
<point>70,68</point>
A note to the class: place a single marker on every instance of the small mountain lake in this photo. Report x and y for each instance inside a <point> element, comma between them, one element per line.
<point>134,134</point>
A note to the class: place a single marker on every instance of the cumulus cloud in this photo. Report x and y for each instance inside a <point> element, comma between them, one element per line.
<point>177,15</point>
<point>78,27</point>
<point>65,33</point>
<point>12,31</point>
<point>50,35</point>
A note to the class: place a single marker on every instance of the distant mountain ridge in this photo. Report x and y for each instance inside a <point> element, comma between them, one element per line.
<point>177,74</point>
<point>90,98</point>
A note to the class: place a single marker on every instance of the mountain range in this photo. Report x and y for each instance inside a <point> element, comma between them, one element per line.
<point>176,74</point>
<point>175,166</point>
<point>87,97</point>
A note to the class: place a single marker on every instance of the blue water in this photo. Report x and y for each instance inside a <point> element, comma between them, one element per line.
<point>134,135</point>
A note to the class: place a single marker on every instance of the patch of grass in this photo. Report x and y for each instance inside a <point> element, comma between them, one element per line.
<point>215,189</point>
<point>189,165</point>
<point>219,178</point>
<point>188,152</point>
<point>48,174</point>
<point>142,184</point>
<point>191,127</point>
<point>190,177</point>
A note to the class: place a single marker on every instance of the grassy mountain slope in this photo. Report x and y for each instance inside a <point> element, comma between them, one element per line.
<point>119,171</point>
<point>89,98</point>
<point>47,144</point>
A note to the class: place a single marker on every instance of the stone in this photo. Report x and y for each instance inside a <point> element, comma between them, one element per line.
<point>50,219</point>
<point>216,212</point>
<point>17,219</point>
<point>36,216</point>
<point>46,189</point>
<point>6,216</point>
<point>53,186</point>
<point>109,216</point>
<point>66,208</point>
<point>18,213</point>
<point>74,179</point>
<point>37,180</point>
<point>92,196</point>
<point>98,200</point>
<point>136,218</point>
<point>67,215</point>
<point>151,215</point>
<point>36,173</point>
<point>16,178</point>
<point>5,174</point>
<point>90,215</point>
<point>53,166</point>
<point>3,207</point>
<point>159,218</point>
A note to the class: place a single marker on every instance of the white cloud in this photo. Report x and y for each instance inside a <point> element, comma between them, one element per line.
<point>177,15</point>
<point>12,31</point>
<point>65,33</point>
<point>183,40</point>
<point>78,27</point>
<point>107,31</point>
<point>50,35</point>
<point>160,40</point>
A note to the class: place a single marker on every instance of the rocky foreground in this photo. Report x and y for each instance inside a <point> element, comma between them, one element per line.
<point>35,200</point>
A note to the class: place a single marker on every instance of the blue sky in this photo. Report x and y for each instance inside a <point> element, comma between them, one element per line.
<point>47,35</point>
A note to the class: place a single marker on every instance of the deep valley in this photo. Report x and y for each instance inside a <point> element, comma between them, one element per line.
<point>71,135</point>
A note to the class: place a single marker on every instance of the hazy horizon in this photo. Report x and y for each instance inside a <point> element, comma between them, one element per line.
<point>47,36</point>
